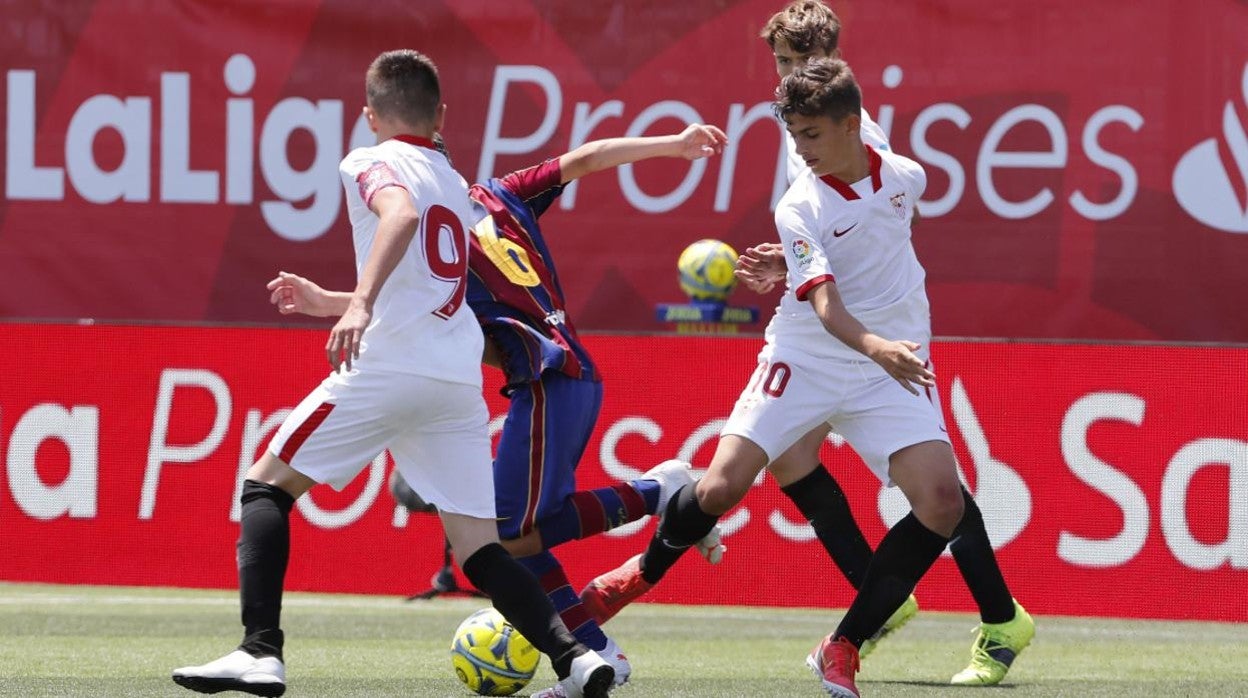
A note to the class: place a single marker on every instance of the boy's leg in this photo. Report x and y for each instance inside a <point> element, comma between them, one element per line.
<point>568,604</point>
<point>548,424</point>
<point>1006,629</point>
<point>976,560</point>
<point>269,493</point>
<point>804,480</point>
<point>257,665</point>
<point>693,511</point>
<point>690,516</point>
<point>516,593</point>
<point>591,512</point>
<point>927,474</point>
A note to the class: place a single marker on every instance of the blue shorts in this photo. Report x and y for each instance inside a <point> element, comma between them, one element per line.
<point>548,425</point>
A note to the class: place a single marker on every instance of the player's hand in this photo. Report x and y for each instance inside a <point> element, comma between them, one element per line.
<point>761,267</point>
<point>701,140</point>
<point>294,294</point>
<point>898,359</point>
<point>343,346</point>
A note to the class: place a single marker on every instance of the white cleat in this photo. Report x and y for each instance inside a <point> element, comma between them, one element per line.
<point>615,657</point>
<point>671,476</point>
<point>710,546</point>
<point>236,671</point>
<point>590,677</point>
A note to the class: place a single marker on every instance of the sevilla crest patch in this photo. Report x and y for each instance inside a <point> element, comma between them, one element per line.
<point>899,205</point>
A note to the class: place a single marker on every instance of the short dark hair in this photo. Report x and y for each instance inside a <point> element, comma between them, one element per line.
<point>440,145</point>
<point>822,87</point>
<point>805,25</point>
<point>403,85</point>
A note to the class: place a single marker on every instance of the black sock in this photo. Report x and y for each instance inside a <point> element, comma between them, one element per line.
<point>905,554</point>
<point>263,550</point>
<point>978,564</point>
<point>822,501</point>
<point>684,523</point>
<point>518,595</point>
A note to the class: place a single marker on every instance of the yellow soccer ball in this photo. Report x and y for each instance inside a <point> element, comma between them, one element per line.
<point>705,270</point>
<point>490,656</point>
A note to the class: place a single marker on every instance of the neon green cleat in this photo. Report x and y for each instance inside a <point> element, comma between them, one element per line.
<point>996,647</point>
<point>907,610</point>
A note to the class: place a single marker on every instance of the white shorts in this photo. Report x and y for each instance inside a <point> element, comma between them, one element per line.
<point>436,432</point>
<point>790,393</point>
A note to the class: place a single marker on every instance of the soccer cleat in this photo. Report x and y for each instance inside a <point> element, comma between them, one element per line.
<point>907,610</point>
<point>671,476</point>
<point>589,677</point>
<point>612,655</point>
<point>996,647</point>
<point>556,691</point>
<point>710,546</point>
<point>236,671</point>
<point>610,592</point>
<point>835,662</point>
<point>615,657</point>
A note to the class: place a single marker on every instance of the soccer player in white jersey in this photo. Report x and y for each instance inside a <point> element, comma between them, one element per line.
<point>807,29</point>
<point>410,215</point>
<point>802,30</point>
<point>848,347</point>
<point>856,290</point>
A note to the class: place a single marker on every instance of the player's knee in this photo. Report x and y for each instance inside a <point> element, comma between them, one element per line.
<point>942,509</point>
<point>790,467</point>
<point>716,495</point>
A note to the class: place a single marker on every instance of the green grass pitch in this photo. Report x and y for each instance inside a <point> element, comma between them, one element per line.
<point>97,641</point>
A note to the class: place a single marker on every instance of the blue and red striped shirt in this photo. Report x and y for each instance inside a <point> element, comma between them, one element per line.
<point>513,287</point>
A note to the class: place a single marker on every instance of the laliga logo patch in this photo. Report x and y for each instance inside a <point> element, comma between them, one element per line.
<point>801,250</point>
<point>899,205</point>
<point>1202,184</point>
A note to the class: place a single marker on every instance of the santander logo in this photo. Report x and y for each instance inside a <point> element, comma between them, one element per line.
<point>1203,182</point>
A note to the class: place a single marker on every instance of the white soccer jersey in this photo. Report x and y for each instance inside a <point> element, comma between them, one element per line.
<point>870,132</point>
<point>857,236</point>
<point>419,325</point>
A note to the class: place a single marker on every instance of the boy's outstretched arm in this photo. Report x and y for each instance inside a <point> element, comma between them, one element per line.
<point>695,142</point>
<point>292,293</point>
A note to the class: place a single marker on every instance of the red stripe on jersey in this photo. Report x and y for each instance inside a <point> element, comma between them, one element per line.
<point>303,431</point>
<point>873,161</point>
<point>416,140</point>
<point>847,192</point>
<point>634,503</point>
<point>590,513</point>
<point>804,290</point>
<point>554,579</point>
<point>537,456</point>
<point>575,617</point>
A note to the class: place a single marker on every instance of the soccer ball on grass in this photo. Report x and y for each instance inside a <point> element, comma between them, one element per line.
<point>705,269</point>
<point>490,656</point>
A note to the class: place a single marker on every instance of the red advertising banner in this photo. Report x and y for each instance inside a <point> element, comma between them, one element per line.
<point>1113,479</point>
<point>1081,184</point>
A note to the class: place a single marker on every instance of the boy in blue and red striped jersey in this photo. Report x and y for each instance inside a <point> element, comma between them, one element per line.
<point>553,386</point>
